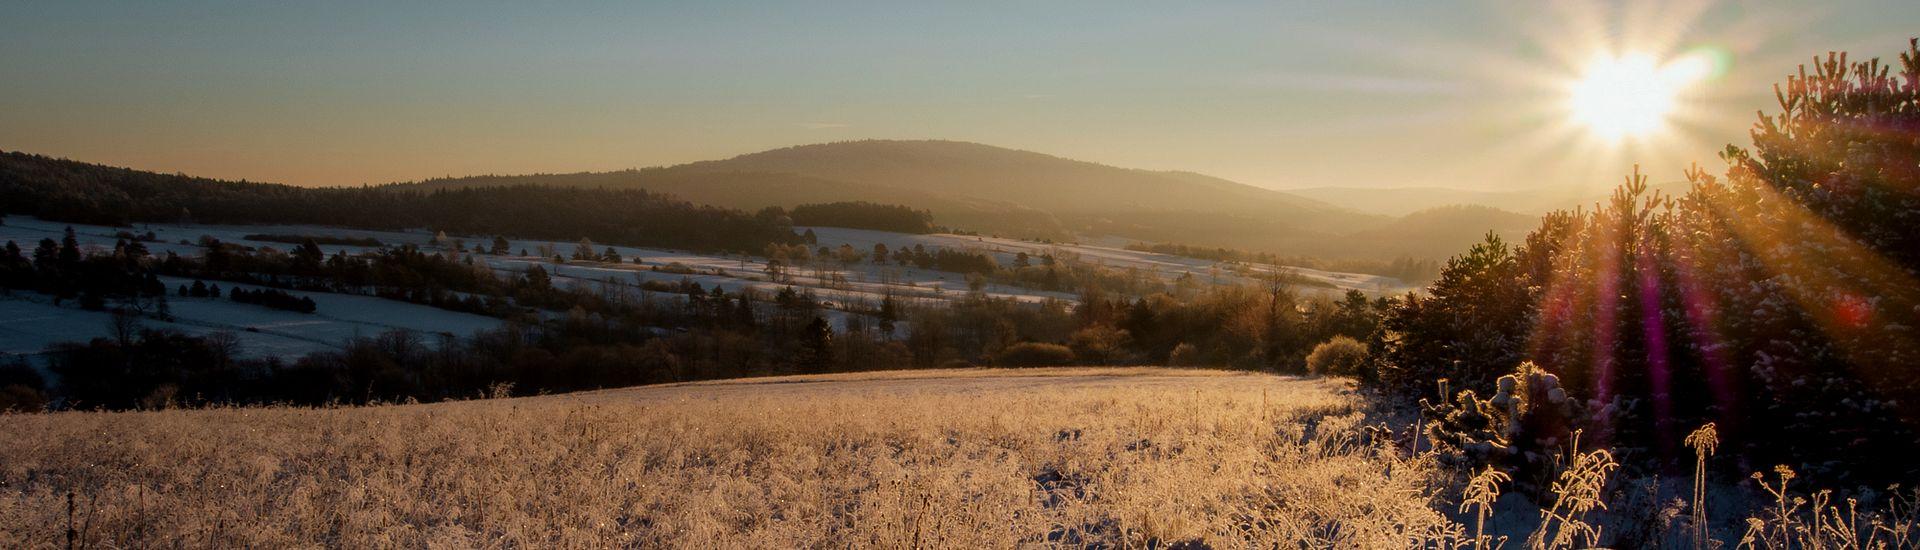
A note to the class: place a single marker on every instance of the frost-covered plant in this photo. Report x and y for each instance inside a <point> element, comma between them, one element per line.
<point>1521,428</point>
<point>1816,521</point>
<point>1704,442</point>
<point>1481,493</point>
<point>1339,356</point>
<point>1578,490</point>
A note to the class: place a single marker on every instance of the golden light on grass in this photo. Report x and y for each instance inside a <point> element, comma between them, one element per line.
<point>909,459</point>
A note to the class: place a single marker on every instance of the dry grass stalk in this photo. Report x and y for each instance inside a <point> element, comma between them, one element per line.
<point>1481,493</point>
<point>1578,491</point>
<point>1815,522</point>
<point>1704,441</point>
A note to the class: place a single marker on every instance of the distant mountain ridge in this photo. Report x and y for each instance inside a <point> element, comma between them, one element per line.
<point>1027,194</point>
<point>976,187</point>
<point>1033,179</point>
<point>1018,193</point>
<point>998,191</point>
<point>753,190</point>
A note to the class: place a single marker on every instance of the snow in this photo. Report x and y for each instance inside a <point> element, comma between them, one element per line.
<point>28,322</point>
<point>864,278</point>
<point>1167,266</point>
<point>338,318</point>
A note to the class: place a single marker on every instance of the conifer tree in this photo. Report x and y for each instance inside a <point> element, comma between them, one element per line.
<point>816,346</point>
<point>69,250</point>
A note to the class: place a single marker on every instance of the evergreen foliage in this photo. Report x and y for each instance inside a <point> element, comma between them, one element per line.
<point>1778,302</point>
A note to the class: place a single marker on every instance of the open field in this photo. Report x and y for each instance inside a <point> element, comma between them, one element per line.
<point>31,322</point>
<point>948,459</point>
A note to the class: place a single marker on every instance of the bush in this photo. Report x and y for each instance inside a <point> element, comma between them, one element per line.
<point>956,364</point>
<point>1340,356</point>
<point>1101,344</point>
<point>18,398</point>
<point>274,298</point>
<point>1522,428</point>
<point>1034,354</point>
<point>1184,355</point>
<point>21,388</point>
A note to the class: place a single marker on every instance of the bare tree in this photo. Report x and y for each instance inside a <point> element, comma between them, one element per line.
<point>225,346</point>
<point>124,325</point>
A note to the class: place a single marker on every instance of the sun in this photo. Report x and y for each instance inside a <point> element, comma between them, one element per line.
<point>1632,95</point>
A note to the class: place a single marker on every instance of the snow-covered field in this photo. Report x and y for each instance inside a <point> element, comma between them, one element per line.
<point>29,322</point>
<point>1166,265</point>
<point>28,325</point>
<point>863,276</point>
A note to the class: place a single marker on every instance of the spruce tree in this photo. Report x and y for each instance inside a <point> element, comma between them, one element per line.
<point>816,342</point>
<point>69,250</point>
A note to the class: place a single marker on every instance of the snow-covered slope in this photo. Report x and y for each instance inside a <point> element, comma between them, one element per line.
<point>29,322</point>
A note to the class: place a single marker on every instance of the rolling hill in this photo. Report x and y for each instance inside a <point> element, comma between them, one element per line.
<point>752,190</point>
<point>1033,195</point>
<point>981,188</point>
<point>1036,180</point>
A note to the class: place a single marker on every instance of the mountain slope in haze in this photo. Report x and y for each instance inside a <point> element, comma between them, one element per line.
<point>1443,228</point>
<point>1046,182</point>
<point>1400,201</point>
<point>990,190</point>
<point>1025,194</point>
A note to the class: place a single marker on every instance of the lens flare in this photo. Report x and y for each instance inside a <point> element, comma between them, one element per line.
<point>1633,95</point>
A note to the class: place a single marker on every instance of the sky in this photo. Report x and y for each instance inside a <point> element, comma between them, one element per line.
<point>1278,94</point>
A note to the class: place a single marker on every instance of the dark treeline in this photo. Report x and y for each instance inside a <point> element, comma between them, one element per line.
<point>864,215</point>
<point>938,258</point>
<point>273,298</point>
<point>87,193</point>
<point>1779,302</point>
<point>317,239</point>
<point>123,278</point>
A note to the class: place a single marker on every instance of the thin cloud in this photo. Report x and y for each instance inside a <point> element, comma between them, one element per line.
<point>822,125</point>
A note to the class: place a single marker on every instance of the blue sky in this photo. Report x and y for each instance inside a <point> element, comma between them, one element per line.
<point>1281,94</point>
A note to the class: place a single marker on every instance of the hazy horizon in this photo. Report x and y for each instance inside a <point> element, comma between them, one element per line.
<point>1469,97</point>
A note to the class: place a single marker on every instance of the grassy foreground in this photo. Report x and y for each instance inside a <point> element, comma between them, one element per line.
<point>1041,457</point>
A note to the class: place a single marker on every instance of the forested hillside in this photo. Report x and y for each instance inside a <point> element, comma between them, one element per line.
<point>751,190</point>
<point>71,191</point>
